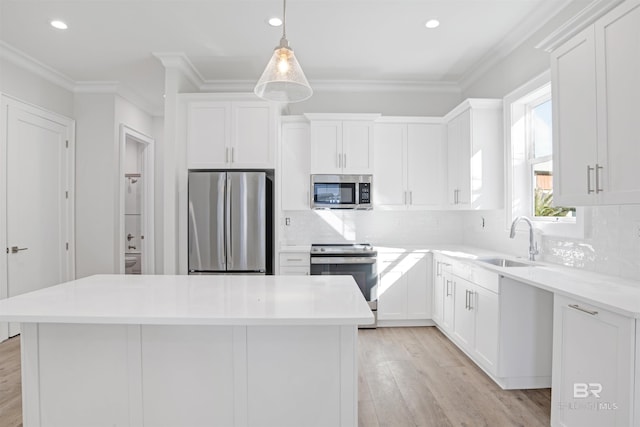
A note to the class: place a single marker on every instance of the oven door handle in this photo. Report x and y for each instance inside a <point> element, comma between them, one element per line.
<point>343,260</point>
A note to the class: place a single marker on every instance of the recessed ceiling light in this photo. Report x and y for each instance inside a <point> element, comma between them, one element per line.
<point>59,25</point>
<point>275,22</point>
<point>432,23</point>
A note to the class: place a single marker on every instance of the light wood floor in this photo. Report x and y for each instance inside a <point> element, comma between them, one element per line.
<point>408,377</point>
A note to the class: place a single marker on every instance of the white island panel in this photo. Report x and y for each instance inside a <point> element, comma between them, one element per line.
<point>190,350</point>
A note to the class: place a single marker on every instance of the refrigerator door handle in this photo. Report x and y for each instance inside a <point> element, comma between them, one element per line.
<point>228,228</point>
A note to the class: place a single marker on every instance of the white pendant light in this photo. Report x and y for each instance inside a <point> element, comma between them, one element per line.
<point>283,79</point>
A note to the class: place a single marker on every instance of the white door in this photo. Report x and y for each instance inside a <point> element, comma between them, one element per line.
<point>326,147</point>
<point>389,160</point>
<point>357,147</point>
<point>424,165</point>
<point>295,167</point>
<point>573,74</point>
<point>617,38</point>
<point>39,191</point>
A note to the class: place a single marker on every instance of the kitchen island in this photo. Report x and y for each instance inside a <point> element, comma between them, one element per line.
<point>114,350</point>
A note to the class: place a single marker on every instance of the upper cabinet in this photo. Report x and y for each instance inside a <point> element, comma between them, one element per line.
<point>475,155</point>
<point>229,134</point>
<point>295,164</point>
<point>595,87</point>
<point>408,163</point>
<point>342,143</point>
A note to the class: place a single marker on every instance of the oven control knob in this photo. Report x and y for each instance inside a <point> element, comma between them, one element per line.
<point>322,249</point>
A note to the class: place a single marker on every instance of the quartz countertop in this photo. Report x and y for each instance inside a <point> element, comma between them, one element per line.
<point>617,294</point>
<point>194,300</point>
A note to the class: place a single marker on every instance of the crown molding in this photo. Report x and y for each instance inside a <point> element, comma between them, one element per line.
<point>31,64</point>
<point>181,62</point>
<point>384,86</point>
<point>117,88</point>
<point>579,22</point>
<point>341,86</point>
<point>533,23</point>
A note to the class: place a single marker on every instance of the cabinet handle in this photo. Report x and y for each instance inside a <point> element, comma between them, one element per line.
<point>456,196</point>
<point>589,169</point>
<point>294,259</point>
<point>598,169</point>
<point>404,193</point>
<point>226,155</point>
<point>584,310</point>
<point>438,273</point>
<point>339,160</point>
<point>344,163</point>
<point>411,197</point>
<point>232,155</point>
<point>447,292</point>
<point>471,293</point>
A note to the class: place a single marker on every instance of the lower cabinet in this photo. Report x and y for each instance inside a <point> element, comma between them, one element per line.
<point>503,325</point>
<point>294,263</point>
<point>594,366</point>
<point>404,288</point>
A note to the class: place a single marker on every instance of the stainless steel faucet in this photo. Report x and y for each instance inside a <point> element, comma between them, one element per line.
<point>533,246</point>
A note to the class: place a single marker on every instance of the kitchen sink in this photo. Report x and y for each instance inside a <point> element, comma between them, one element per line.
<point>503,262</point>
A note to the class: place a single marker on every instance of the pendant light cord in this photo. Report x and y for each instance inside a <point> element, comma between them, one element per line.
<point>284,19</point>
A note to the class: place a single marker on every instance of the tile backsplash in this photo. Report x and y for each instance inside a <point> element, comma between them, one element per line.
<point>611,242</point>
<point>376,227</point>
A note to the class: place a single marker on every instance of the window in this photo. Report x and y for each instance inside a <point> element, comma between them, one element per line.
<point>528,114</point>
<point>540,150</point>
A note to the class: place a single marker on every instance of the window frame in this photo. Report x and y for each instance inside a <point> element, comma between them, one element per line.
<point>519,167</point>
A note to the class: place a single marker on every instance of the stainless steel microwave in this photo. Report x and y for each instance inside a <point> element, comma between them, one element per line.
<point>341,191</point>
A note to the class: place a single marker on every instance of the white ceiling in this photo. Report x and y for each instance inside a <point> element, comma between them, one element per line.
<point>229,40</point>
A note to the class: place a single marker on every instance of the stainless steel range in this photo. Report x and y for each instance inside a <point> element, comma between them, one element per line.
<point>357,260</point>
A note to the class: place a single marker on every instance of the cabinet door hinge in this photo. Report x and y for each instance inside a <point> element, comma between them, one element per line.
<point>67,245</point>
<point>66,144</point>
<point>66,194</point>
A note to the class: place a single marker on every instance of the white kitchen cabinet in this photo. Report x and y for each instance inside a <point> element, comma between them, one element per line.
<point>475,322</point>
<point>475,155</point>
<point>595,88</point>
<point>463,314</point>
<point>404,288</point>
<point>342,143</point>
<point>443,293</point>
<point>503,325</point>
<point>229,134</point>
<point>593,366</point>
<point>294,263</point>
<point>295,164</point>
<point>408,163</point>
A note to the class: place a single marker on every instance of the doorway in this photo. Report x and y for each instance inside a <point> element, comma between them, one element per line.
<point>136,240</point>
<point>37,195</point>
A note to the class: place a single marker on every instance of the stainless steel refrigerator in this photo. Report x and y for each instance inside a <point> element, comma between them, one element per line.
<point>227,222</point>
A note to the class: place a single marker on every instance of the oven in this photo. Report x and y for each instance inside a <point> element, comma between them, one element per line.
<point>356,260</point>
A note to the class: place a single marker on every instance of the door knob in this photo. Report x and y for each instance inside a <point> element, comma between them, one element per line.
<point>15,249</point>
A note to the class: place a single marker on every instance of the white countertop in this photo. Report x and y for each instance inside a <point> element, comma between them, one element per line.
<point>613,293</point>
<point>194,300</point>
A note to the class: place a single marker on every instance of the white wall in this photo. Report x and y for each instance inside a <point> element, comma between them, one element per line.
<point>98,118</point>
<point>96,174</point>
<point>157,130</point>
<point>611,244</point>
<point>388,103</point>
<point>33,89</point>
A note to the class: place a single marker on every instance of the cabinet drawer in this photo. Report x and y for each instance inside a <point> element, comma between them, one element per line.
<point>294,271</point>
<point>294,259</point>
